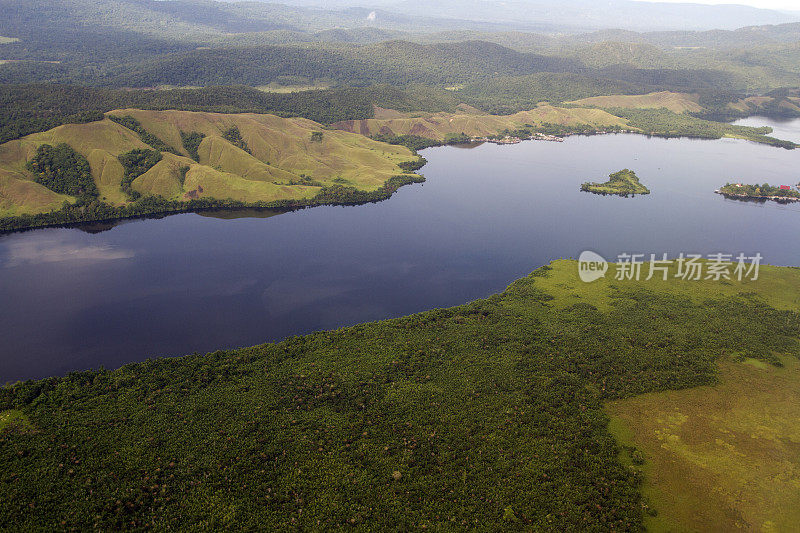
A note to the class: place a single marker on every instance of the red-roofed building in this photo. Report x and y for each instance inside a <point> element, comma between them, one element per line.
<point>785,188</point>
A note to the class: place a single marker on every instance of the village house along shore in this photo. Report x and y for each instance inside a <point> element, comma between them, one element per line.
<point>731,188</point>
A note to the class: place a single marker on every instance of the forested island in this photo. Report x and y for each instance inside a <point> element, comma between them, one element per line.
<point>622,183</point>
<point>764,192</point>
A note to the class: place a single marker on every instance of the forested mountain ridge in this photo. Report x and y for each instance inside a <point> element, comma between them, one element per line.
<point>393,62</point>
<point>29,109</point>
<point>147,43</point>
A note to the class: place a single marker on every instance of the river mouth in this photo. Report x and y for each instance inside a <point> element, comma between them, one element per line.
<point>486,216</point>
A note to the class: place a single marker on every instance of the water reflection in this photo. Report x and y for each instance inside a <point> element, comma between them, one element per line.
<point>53,249</point>
<point>486,216</point>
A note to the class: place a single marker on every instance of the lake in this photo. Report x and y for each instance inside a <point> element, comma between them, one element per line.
<point>74,299</point>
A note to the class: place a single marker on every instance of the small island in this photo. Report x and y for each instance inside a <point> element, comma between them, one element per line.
<point>622,183</point>
<point>760,193</point>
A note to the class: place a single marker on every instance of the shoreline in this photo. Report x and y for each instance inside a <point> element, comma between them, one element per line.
<point>8,225</point>
<point>331,196</point>
<point>745,197</point>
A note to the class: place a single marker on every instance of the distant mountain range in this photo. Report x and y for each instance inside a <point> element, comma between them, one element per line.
<point>576,14</point>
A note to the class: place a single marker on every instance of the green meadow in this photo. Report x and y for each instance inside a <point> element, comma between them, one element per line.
<point>720,457</point>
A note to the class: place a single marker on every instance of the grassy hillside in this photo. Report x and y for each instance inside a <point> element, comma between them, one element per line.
<point>20,196</point>
<point>774,106</point>
<point>477,124</point>
<point>30,109</point>
<point>285,160</point>
<point>489,415</point>
<point>282,150</point>
<point>675,102</point>
<point>638,116</point>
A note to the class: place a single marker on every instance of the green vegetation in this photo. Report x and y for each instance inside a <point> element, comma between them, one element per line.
<point>759,192</point>
<point>63,170</point>
<point>467,123</point>
<point>675,102</point>
<point>136,163</point>
<point>316,136</point>
<point>622,183</point>
<point>13,419</point>
<point>705,447</point>
<point>148,138</point>
<point>511,94</point>
<point>234,136</point>
<point>457,138</point>
<point>497,404</point>
<point>280,167</point>
<point>191,142</point>
<point>182,171</point>
<point>149,205</point>
<point>29,109</point>
<point>344,195</point>
<point>413,166</point>
<point>393,62</point>
<point>412,142</point>
<point>665,123</point>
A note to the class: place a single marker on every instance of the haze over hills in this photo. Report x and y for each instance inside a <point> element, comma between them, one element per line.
<point>585,14</point>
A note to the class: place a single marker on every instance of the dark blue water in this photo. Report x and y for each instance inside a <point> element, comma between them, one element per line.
<point>487,215</point>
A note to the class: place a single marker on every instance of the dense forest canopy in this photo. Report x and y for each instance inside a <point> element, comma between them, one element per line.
<point>61,169</point>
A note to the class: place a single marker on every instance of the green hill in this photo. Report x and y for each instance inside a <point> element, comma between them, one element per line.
<point>286,160</point>
<point>474,123</point>
<point>675,102</point>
